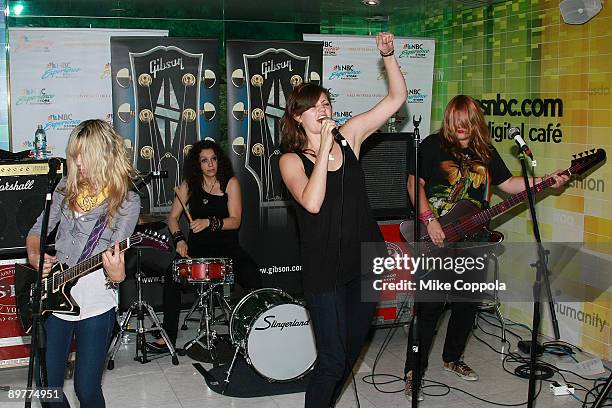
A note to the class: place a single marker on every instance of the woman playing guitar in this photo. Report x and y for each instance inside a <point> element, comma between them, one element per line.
<point>457,163</point>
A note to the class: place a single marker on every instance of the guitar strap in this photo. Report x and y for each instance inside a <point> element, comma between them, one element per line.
<point>94,238</point>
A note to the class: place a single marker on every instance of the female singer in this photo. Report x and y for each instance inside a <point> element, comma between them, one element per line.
<point>96,190</point>
<point>334,219</point>
<point>215,204</point>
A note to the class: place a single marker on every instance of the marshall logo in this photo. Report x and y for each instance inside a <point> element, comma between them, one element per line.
<point>16,186</point>
<point>272,323</point>
<point>269,66</point>
<point>158,64</point>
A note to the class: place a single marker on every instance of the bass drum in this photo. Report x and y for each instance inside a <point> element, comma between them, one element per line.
<point>275,333</point>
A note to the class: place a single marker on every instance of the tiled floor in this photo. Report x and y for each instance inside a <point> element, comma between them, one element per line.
<point>160,384</point>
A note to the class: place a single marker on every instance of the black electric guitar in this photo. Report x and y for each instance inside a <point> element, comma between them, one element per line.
<point>467,222</point>
<point>55,288</point>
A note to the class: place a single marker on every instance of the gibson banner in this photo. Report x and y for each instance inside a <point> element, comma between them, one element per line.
<point>165,98</point>
<point>260,77</point>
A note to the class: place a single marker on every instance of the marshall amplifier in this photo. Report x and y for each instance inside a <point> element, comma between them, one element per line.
<point>23,186</point>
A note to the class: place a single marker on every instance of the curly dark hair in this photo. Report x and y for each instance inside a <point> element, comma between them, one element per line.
<point>192,171</point>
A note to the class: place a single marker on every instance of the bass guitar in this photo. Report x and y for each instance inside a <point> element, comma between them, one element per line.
<point>56,286</point>
<point>467,222</point>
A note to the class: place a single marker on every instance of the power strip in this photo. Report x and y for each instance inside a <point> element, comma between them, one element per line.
<point>560,389</point>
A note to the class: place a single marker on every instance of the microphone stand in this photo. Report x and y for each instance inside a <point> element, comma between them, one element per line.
<point>415,343</point>
<point>38,339</point>
<point>542,273</point>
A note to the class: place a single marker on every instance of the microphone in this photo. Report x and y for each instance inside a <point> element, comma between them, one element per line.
<point>335,133</point>
<point>515,133</point>
<point>159,174</point>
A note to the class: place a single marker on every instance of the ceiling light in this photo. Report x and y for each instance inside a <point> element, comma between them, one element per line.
<point>371,3</point>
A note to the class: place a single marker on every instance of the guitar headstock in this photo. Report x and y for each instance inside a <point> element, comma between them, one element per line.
<point>586,160</point>
<point>150,239</point>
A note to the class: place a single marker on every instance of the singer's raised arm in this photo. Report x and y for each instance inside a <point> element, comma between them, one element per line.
<point>358,128</point>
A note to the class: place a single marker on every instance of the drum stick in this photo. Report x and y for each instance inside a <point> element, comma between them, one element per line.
<point>183,205</point>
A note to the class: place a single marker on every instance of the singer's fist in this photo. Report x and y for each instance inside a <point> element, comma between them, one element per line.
<point>384,42</point>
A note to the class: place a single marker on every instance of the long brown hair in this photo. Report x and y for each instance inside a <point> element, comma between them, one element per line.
<point>106,163</point>
<point>302,98</point>
<point>464,112</point>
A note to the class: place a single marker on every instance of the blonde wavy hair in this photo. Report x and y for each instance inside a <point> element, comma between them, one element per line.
<point>464,112</point>
<point>106,163</point>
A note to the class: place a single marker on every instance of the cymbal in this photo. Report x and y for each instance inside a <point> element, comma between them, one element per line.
<point>151,218</point>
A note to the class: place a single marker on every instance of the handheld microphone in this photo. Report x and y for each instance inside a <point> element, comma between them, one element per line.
<point>335,133</point>
<point>515,133</point>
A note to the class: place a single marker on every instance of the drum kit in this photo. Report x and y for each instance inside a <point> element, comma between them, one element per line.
<point>268,327</point>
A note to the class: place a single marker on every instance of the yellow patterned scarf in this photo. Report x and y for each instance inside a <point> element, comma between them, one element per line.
<point>88,202</point>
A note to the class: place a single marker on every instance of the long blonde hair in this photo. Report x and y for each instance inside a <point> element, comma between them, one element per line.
<point>464,112</point>
<point>106,163</point>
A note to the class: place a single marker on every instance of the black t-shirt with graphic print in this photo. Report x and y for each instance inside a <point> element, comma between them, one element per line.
<point>448,181</point>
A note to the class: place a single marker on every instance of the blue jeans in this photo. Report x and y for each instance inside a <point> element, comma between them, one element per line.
<point>341,322</point>
<point>93,336</point>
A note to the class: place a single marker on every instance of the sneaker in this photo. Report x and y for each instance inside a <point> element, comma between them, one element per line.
<point>408,388</point>
<point>462,370</point>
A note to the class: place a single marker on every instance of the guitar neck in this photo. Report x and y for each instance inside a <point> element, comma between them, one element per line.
<point>85,267</point>
<point>485,215</point>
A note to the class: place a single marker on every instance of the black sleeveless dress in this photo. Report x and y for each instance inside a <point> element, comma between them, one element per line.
<point>207,244</point>
<point>330,241</point>
<point>220,244</point>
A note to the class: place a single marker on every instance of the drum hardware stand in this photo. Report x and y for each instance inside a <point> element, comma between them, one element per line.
<point>205,301</point>
<point>231,368</point>
<point>140,307</point>
<point>199,305</point>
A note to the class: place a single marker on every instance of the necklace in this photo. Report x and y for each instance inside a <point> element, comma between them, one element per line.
<point>205,200</point>
<point>331,157</point>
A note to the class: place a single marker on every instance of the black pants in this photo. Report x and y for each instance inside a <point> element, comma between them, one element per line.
<point>341,322</point>
<point>457,333</point>
<point>246,274</point>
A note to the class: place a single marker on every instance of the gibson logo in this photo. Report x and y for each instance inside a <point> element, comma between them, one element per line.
<point>274,324</point>
<point>158,64</point>
<point>270,66</point>
<point>16,186</point>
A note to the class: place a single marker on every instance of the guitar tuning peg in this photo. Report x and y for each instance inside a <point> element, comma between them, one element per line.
<point>592,150</point>
<point>580,154</point>
<point>574,156</point>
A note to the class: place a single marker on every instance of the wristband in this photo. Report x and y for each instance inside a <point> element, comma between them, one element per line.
<point>178,237</point>
<point>429,219</point>
<point>425,214</point>
<point>215,223</point>
<point>390,53</point>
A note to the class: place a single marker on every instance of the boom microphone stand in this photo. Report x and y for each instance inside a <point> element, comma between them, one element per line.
<point>38,341</point>
<point>542,273</point>
<point>414,340</point>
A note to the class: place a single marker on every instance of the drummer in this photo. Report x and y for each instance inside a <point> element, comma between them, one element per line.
<point>212,195</point>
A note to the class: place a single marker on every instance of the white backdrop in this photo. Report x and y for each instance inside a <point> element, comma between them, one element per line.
<point>58,78</point>
<point>354,74</point>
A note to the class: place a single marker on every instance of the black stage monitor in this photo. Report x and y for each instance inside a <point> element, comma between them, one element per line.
<point>384,158</point>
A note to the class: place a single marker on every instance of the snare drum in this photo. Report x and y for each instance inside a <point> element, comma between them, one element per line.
<point>275,334</point>
<point>202,270</point>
